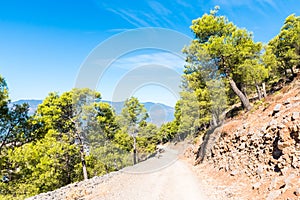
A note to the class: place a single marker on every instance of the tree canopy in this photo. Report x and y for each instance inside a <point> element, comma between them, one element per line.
<point>286,46</point>
<point>219,50</point>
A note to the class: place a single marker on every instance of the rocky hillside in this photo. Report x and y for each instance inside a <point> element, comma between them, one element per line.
<point>263,145</point>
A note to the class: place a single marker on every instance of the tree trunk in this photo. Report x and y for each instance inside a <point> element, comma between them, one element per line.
<point>134,151</point>
<point>258,91</point>
<point>3,141</point>
<point>244,91</point>
<point>264,89</point>
<point>242,97</point>
<point>69,180</point>
<point>82,156</point>
<point>285,73</point>
<point>214,121</point>
<point>293,73</point>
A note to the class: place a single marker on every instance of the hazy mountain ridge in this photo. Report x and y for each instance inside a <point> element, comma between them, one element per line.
<point>159,113</point>
<point>33,104</point>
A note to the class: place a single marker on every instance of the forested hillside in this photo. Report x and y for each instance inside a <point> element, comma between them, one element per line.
<point>159,113</point>
<point>74,136</point>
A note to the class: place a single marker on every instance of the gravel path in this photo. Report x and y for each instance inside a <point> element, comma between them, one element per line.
<point>155,179</point>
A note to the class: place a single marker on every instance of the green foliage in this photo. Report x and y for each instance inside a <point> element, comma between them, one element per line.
<point>15,126</point>
<point>218,99</point>
<point>66,127</point>
<point>253,72</point>
<point>167,132</point>
<point>3,96</point>
<point>106,119</point>
<point>270,62</point>
<point>107,158</point>
<point>147,138</point>
<point>123,140</point>
<point>219,51</point>
<point>133,113</point>
<point>42,166</point>
<point>285,47</point>
<point>189,114</point>
<point>136,134</point>
<point>200,107</point>
<point>17,129</point>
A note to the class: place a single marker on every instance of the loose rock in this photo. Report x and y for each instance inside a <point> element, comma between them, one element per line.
<point>276,108</point>
<point>297,192</point>
<point>274,194</point>
<point>295,115</point>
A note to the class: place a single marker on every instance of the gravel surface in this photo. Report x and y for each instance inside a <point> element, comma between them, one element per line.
<point>174,180</point>
<point>161,177</point>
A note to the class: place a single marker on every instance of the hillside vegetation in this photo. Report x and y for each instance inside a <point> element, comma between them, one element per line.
<point>262,146</point>
<point>74,136</point>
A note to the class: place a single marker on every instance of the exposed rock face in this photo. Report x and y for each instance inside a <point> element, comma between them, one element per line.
<point>264,144</point>
<point>260,151</point>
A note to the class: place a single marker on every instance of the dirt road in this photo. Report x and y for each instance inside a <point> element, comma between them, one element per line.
<point>161,178</point>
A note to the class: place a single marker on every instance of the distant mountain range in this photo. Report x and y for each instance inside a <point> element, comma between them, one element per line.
<point>33,104</point>
<point>159,113</point>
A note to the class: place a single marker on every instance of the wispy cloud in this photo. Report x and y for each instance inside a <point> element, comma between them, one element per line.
<point>184,4</point>
<point>158,8</point>
<point>231,2</point>
<point>130,16</point>
<point>164,13</point>
<point>143,75</point>
<point>270,3</point>
<point>159,58</point>
<point>152,14</point>
<point>258,6</point>
<point>154,19</point>
<point>118,30</point>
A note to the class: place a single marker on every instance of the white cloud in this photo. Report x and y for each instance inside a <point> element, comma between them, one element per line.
<point>159,8</point>
<point>133,72</point>
<point>254,5</point>
<point>269,3</point>
<point>130,16</point>
<point>157,15</point>
<point>231,2</point>
<point>118,30</point>
<point>160,58</point>
<point>184,4</point>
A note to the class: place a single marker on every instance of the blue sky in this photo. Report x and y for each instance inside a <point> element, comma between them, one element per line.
<point>43,43</point>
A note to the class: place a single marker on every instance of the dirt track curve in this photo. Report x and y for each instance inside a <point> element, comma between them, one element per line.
<point>161,178</point>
